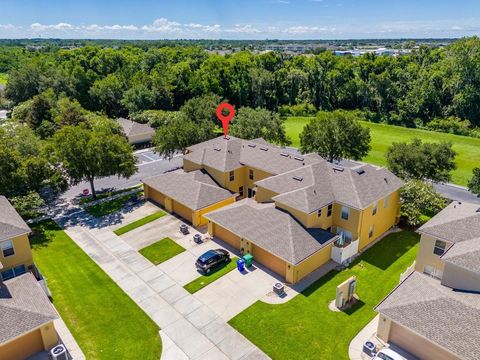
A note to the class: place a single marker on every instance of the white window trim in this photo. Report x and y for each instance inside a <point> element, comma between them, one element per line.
<point>375,208</point>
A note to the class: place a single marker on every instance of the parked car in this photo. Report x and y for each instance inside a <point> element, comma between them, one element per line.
<point>207,261</point>
<point>388,354</point>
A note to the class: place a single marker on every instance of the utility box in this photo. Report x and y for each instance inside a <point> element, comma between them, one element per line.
<point>346,292</point>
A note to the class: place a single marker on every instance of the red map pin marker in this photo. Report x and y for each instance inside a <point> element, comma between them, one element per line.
<point>225,119</point>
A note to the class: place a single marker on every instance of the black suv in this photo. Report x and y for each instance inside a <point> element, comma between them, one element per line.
<point>212,258</point>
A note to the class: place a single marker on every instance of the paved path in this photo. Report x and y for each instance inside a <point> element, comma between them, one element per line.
<point>189,329</point>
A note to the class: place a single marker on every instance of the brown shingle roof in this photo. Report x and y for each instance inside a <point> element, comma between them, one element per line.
<point>446,317</point>
<point>24,306</point>
<point>195,189</point>
<point>271,229</point>
<point>323,183</point>
<point>231,153</point>
<point>11,224</point>
<point>133,128</point>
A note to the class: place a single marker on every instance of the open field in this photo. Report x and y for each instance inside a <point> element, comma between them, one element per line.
<point>383,136</point>
<point>305,328</point>
<point>106,323</point>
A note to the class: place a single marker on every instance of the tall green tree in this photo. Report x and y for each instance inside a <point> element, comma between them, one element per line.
<point>474,182</point>
<point>419,202</point>
<point>255,123</point>
<point>90,153</point>
<point>422,161</point>
<point>336,136</point>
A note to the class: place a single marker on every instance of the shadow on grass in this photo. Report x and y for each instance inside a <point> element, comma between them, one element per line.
<point>389,249</point>
<point>40,236</point>
<point>357,306</point>
<point>319,283</point>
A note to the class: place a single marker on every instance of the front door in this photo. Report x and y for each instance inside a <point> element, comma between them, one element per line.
<point>251,193</point>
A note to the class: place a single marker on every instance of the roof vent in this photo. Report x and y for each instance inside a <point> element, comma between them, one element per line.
<point>264,148</point>
<point>360,172</point>
<point>386,180</point>
<point>284,154</point>
<point>299,158</point>
<point>252,145</point>
<point>298,178</point>
<point>338,168</point>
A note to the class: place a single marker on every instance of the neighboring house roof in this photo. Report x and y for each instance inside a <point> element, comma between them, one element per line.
<point>311,187</point>
<point>232,153</point>
<point>195,189</point>
<point>271,229</point>
<point>446,317</point>
<point>11,224</point>
<point>459,221</point>
<point>24,307</point>
<point>133,128</point>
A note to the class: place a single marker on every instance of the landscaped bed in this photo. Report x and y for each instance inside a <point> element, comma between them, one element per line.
<point>106,323</point>
<point>161,251</point>
<point>140,222</point>
<point>112,206</point>
<point>304,327</point>
<point>204,280</point>
<point>103,195</point>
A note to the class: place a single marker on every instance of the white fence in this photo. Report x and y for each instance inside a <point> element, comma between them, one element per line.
<point>342,254</point>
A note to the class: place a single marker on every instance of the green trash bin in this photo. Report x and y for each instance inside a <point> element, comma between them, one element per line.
<point>248,259</point>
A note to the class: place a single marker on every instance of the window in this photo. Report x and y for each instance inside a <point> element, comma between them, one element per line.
<point>329,210</point>
<point>439,248</point>
<point>319,212</point>
<point>7,248</point>
<point>345,212</point>
<point>232,175</point>
<point>11,273</point>
<point>240,191</point>
<point>250,174</point>
<point>374,209</point>
<point>345,236</point>
<point>385,201</point>
<point>370,232</point>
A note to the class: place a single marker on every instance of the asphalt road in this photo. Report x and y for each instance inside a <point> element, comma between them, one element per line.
<point>150,164</point>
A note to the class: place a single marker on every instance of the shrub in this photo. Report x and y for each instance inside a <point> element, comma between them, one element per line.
<point>452,125</point>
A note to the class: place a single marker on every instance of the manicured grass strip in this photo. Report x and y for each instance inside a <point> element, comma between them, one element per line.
<point>106,323</point>
<point>304,327</point>
<point>110,207</point>
<point>139,222</point>
<point>204,280</point>
<point>89,199</point>
<point>383,135</point>
<point>161,251</point>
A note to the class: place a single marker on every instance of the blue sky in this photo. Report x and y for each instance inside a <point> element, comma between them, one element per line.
<point>240,19</point>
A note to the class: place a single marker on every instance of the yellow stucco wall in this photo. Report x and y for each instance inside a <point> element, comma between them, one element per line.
<point>238,180</point>
<point>199,220</point>
<point>312,263</point>
<point>40,339</point>
<point>182,210</point>
<point>426,256</point>
<point>383,327</point>
<point>22,256</point>
<point>382,221</point>
<point>264,195</point>
<point>299,215</point>
<point>323,221</point>
<point>190,166</point>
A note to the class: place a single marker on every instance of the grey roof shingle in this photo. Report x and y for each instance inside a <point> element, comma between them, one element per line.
<point>24,306</point>
<point>271,229</point>
<point>323,183</point>
<point>446,317</point>
<point>465,254</point>
<point>11,224</point>
<point>232,153</point>
<point>195,189</point>
<point>457,222</point>
<point>133,128</point>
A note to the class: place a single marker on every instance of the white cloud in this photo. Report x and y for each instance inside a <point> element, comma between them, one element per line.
<point>59,26</point>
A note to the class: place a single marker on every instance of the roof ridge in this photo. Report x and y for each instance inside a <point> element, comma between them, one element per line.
<point>30,311</point>
<point>350,174</point>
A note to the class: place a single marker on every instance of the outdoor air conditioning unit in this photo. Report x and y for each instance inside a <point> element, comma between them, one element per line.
<point>59,352</point>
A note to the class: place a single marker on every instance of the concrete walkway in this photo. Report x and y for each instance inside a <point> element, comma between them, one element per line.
<point>355,349</point>
<point>189,328</point>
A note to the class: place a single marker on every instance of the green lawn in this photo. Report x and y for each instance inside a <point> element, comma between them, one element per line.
<point>206,279</point>
<point>383,136</point>
<point>161,251</point>
<point>139,222</point>
<point>112,206</point>
<point>106,323</point>
<point>304,327</point>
